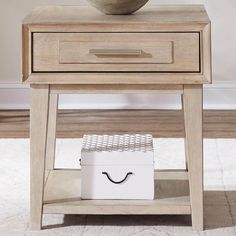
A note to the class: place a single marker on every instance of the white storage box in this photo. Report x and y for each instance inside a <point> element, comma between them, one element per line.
<point>117,167</point>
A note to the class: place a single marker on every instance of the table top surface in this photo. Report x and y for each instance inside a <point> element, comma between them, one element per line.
<point>156,14</point>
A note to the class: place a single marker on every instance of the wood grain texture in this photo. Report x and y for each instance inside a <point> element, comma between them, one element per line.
<point>66,15</point>
<point>26,52</point>
<point>117,27</point>
<point>70,52</point>
<point>55,52</point>
<point>206,53</point>
<point>171,197</point>
<point>38,140</point>
<point>51,131</point>
<point>117,78</point>
<point>161,123</point>
<point>162,18</point>
<point>118,89</point>
<point>193,106</point>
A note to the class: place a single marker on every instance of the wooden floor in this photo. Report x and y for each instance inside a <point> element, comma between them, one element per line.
<point>160,123</point>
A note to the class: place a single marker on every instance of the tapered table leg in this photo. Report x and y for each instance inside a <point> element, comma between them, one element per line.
<point>38,134</point>
<point>193,107</point>
<point>51,131</point>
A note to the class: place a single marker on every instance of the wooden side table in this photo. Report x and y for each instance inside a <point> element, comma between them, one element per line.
<point>71,49</point>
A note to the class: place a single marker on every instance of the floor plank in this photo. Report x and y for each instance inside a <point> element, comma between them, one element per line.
<point>160,123</point>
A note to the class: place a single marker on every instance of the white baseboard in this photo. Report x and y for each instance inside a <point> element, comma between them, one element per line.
<point>220,95</point>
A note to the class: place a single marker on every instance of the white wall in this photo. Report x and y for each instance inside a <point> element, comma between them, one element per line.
<point>221,95</point>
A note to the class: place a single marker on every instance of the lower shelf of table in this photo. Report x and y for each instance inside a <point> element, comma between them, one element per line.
<point>62,196</point>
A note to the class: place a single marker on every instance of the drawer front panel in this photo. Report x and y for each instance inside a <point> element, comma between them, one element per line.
<point>117,183</point>
<point>78,52</point>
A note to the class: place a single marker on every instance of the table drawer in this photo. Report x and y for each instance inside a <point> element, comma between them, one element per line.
<point>100,52</point>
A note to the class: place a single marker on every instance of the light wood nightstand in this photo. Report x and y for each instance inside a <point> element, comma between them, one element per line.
<point>72,49</point>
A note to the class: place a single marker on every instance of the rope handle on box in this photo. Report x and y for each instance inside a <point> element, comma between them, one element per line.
<point>117,182</point>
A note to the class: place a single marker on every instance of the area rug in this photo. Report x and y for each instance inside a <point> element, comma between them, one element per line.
<point>219,196</point>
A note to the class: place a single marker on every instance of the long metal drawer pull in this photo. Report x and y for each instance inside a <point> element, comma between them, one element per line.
<point>116,52</point>
<point>117,182</point>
